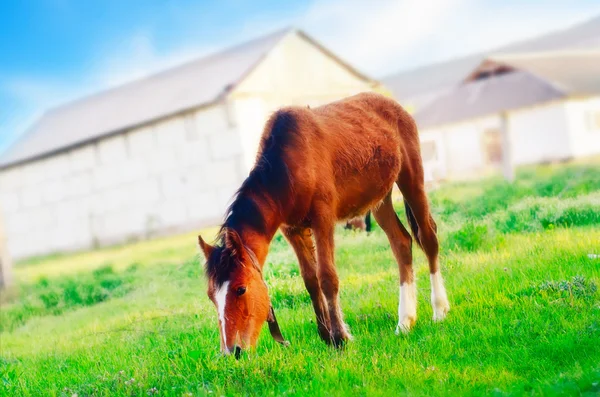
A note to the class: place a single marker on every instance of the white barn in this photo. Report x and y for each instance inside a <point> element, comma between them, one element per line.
<point>418,87</point>
<point>546,103</point>
<point>524,108</point>
<point>159,155</point>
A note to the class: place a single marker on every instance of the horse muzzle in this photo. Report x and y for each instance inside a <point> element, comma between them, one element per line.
<point>235,350</point>
<point>274,329</point>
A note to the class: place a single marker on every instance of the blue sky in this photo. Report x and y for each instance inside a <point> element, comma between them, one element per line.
<point>54,51</point>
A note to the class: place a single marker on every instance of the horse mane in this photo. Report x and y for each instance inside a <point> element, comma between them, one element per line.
<point>268,183</point>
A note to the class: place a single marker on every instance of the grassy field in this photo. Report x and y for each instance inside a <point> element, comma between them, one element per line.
<point>520,271</point>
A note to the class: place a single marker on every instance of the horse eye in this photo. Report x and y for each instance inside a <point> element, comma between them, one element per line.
<point>241,291</point>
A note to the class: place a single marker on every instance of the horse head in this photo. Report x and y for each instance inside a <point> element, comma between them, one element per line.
<point>237,288</point>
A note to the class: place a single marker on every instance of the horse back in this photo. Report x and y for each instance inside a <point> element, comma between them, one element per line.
<point>345,155</point>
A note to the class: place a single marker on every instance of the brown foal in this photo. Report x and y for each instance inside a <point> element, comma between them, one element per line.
<point>314,168</point>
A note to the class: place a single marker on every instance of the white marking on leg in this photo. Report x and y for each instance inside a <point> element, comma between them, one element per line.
<point>221,298</point>
<point>407,308</point>
<point>439,299</point>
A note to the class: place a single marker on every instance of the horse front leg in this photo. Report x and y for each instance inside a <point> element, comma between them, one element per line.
<point>328,279</point>
<point>301,241</point>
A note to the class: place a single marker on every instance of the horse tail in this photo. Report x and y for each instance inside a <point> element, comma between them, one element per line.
<point>414,227</point>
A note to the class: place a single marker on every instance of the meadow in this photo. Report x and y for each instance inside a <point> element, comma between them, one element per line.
<point>522,269</point>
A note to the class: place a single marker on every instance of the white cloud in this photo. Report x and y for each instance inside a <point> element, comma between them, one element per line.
<point>372,34</point>
<point>385,36</point>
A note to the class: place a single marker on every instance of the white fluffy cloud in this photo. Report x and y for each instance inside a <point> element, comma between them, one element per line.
<point>375,34</point>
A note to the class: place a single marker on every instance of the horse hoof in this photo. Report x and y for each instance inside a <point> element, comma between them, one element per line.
<point>324,332</point>
<point>325,335</point>
<point>339,340</point>
<point>440,311</point>
<point>405,325</point>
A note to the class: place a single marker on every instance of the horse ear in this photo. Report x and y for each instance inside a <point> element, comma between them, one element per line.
<point>233,242</point>
<point>206,248</point>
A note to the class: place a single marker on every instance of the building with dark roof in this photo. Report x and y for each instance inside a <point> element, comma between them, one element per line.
<point>544,106</point>
<point>417,87</point>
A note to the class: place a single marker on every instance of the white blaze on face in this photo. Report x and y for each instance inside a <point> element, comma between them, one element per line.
<point>439,299</point>
<point>407,309</point>
<point>221,298</point>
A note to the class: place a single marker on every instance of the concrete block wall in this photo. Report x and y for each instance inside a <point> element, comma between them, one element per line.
<point>584,130</point>
<point>539,134</point>
<point>176,174</point>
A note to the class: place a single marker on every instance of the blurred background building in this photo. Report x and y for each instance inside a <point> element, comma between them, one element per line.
<point>534,108</point>
<point>160,155</point>
<point>543,94</point>
<point>164,154</point>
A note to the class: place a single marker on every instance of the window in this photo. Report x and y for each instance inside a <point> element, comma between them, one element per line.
<point>492,146</point>
<point>592,120</point>
<point>428,151</point>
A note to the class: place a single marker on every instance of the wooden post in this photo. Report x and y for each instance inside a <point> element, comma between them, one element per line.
<point>508,169</point>
<point>5,262</point>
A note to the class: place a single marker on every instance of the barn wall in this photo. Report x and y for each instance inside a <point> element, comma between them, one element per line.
<point>583,118</point>
<point>459,149</point>
<point>172,175</point>
<point>539,134</point>
<point>295,72</point>
<point>434,155</point>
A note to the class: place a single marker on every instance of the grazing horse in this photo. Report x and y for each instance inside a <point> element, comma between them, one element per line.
<point>360,223</point>
<point>315,167</point>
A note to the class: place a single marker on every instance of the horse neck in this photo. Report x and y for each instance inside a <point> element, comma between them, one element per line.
<point>259,241</point>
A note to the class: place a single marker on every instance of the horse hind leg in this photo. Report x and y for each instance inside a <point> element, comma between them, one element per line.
<point>401,244</point>
<point>425,232</point>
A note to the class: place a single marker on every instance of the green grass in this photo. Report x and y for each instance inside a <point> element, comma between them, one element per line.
<point>525,318</point>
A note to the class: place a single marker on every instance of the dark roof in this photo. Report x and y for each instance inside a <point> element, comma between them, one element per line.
<point>418,84</point>
<point>531,79</point>
<point>575,73</point>
<point>423,84</point>
<point>484,97</point>
<point>185,87</point>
